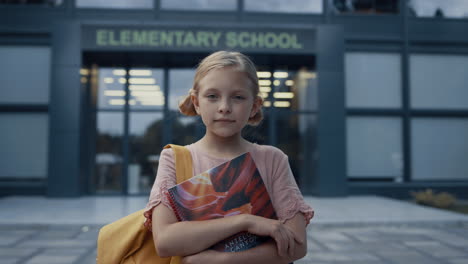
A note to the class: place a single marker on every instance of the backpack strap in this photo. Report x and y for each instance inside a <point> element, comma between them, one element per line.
<point>183,162</point>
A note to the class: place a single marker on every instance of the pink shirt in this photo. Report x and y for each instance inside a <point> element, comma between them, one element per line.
<point>273,167</point>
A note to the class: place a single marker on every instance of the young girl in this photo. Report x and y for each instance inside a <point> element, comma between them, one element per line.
<point>225,95</point>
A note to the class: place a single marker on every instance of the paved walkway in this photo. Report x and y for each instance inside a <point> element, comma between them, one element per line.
<point>37,230</point>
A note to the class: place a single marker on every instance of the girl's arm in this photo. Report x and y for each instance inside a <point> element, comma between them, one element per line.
<point>173,238</point>
<point>264,253</point>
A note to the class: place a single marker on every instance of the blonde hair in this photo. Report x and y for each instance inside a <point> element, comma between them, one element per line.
<point>218,60</point>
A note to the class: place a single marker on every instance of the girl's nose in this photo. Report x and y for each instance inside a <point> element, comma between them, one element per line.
<point>224,107</point>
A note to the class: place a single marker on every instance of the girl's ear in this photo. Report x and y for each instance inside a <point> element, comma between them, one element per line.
<point>257,104</point>
<point>195,103</point>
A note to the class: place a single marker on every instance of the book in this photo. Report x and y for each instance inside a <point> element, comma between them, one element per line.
<point>232,188</point>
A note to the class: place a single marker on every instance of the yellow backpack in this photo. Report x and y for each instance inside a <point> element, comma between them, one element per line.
<point>127,241</point>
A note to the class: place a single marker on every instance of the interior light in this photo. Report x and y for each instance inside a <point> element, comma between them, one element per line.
<point>84,71</point>
<point>84,80</point>
<point>132,102</point>
<point>267,104</point>
<point>142,81</point>
<point>265,89</point>
<point>283,95</point>
<point>264,74</point>
<point>140,72</point>
<point>114,93</point>
<point>280,75</point>
<point>277,83</point>
<point>122,80</point>
<point>147,93</point>
<point>136,87</point>
<point>264,82</point>
<point>282,104</point>
<point>289,82</point>
<point>308,75</point>
<point>117,102</point>
<point>119,72</point>
<point>264,95</point>
<point>109,80</point>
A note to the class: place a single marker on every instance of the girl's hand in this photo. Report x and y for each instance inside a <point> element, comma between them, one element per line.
<point>204,257</point>
<point>283,235</point>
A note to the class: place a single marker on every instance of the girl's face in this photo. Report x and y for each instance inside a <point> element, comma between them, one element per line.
<point>225,101</point>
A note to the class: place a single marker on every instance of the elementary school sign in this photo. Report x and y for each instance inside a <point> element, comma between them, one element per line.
<point>198,39</point>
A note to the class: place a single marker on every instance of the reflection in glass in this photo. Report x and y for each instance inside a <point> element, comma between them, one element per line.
<point>146,88</point>
<point>186,129</point>
<point>374,148</point>
<point>118,4</point>
<point>439,81</point>
<point>365,6</point>
<point>290,6</point>
<point>297,139</point>
<point>24,145</point>
<point>373,79</point>
<point>111,88</point>
<point>108,160</point>
<point>25,74</point>
<point>439,149</point>
<point>205,5</point>
<point>289,90</point>
<point>145,146</point>
<point>258,134</point>
<point>439,8</point>
<point>51,3</point>
<point>180,81</point>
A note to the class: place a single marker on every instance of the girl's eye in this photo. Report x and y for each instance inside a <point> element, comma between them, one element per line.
<point>239,97</point>
<point>211,96</point>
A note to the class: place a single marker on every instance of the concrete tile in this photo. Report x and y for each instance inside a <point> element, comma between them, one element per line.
<point>6,252</point>
<point>458,260</point>
<point>43,243</point>
<point>9,240</point>
<point>44,259</point>
<point>9,260</point>
<point>350,257</point>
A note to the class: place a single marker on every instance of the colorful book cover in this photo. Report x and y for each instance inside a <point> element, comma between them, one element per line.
<point>232,188</point>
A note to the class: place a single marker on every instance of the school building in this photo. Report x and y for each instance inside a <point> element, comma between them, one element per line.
<point>364,96</point>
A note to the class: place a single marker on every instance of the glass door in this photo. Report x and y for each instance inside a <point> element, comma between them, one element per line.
<point>129,112</point>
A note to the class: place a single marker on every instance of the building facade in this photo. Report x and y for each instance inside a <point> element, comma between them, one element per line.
<point>364,96</point>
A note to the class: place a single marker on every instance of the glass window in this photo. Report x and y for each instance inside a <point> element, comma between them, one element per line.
<point>205,5</point>
<point>373,80</point>
<point>439,81</point>
<point>118,4</point>
<point>439,8</point>
<point>51,3</point>
<point>145,145</point>
<point>24,75</point>
<point>374,148</point>
<point>109,161</point>
<point>180,81</point>
<point>186,129</point>
<point>259,134</point>
<point>297,139</point>
<point>146,89</point>
<point>289,90</point>
<point>24,146</point>
<point>439,149</point>
<point>365,6</point>
<point>111,88</point>
<point>290,6</point>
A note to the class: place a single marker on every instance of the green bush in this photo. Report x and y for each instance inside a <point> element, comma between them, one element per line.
<point>428,197</point>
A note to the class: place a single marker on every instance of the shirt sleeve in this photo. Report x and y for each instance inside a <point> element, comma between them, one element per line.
<point>165,179</point>
<point>286,197</point>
